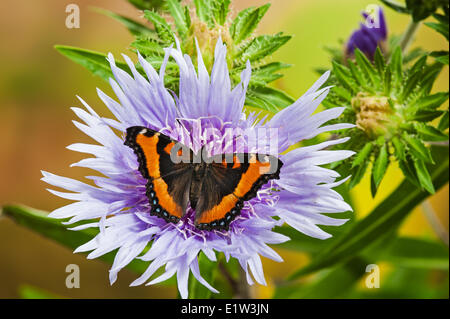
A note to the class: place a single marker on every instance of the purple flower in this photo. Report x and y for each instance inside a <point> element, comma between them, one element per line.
<point>117,203</point>
<point>371,34</point>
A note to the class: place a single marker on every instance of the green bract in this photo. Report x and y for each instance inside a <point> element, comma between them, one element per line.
<point>205,21</point>
<point>393,111</point>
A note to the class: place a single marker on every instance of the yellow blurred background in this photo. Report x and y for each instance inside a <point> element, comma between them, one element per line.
<point>37,87</point>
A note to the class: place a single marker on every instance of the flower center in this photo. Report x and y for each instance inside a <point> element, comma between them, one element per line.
<point>373,114</point>
<point>207,38</point>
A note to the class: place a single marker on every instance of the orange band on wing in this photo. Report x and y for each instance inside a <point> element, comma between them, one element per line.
<point>219,211</point>
<point>255,170</point>
<point>149,147</point>
<point>165,200</point>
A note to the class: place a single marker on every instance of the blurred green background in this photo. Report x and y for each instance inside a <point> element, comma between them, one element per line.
<point>37,87</point>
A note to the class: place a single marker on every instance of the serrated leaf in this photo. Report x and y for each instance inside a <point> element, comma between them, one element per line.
<point>366,66</point>
<point>417,149</point>
<point>162,28</point>
<point>380,165</point>
<point>343,93</point>
<point>423,176</point>
<point>407,167</point>
<point>430,74</point>
<point>396,65</point>
<point>178,15</point>
<point>246,22</point>
<point>379,61</point>
<point>93,61</point>
<point>386,217</point>
<point>265,74</point>
<point>399,148</point>
<point>432,101</point>
<point>362,155</point>
<point>357,74</point>
<point>147,47</point>
<point>220,10</point>
<point>267,98</point>
<point>429,133</point>
<point>410,85</point>
<point>204,11</point>
<point>260,47</point>
<point>344,76</point>
<point>135,28</point>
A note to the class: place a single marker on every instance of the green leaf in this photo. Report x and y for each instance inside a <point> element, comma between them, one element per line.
<point>162,28</point>
<point>344,76</point>
<point>430,133</point>
<point>417,148</point>
<point>204,11</point>
<point>417,253</point>
<point>246,21</point>
<point>267,98</point>
<point>177,13</point>
<point>260,47</point>
<point>31,292</point>
<point>220,10</point>
<point>357,74</point>
<point>386,217</point>
<point>148,47</point>
<point>328,285</point>
<point>426,115</point>
<point>440,56</point>
<point>209,273</point>
<point>423,176</point>
<point>135,28</point>
<point>409,171</point>
<point>396,65</point>
<point>366,66</point>
<point>421,9</point>
<point>439,27</point>
<point>265,74</point>
<point>443,123</point>
<point>433,101</point>
<point>399,148</point>
<point>93,61</point>
<point>147,4</point>
<point>342,92</point>
<point>379,61</point>
<point>358,173</point>
<point>380,165</point>
<point>362,155</point>
<point>37,221</point>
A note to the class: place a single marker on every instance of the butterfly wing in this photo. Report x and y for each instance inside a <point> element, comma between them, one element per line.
<point>231,182</point>
<point>168,181</point>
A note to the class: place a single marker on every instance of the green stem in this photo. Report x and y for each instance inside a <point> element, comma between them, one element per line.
<point>408,36</point>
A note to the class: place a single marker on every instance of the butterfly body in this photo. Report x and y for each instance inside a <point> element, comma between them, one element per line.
<point>215,187</point>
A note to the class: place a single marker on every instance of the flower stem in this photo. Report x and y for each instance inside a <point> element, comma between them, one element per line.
<point>408,36</point>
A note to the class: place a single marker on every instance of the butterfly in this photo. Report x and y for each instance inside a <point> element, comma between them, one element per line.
<point>215,187</point>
